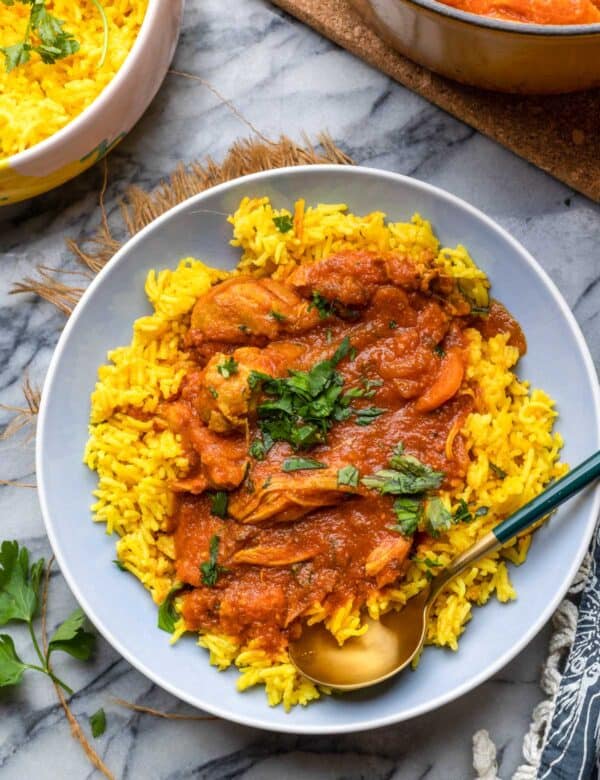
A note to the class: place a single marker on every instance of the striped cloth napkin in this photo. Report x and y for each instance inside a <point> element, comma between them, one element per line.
<point>571,750</point>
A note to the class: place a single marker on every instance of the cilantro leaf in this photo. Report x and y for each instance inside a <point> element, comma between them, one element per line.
<point>167,613</point>
<point>300,464</point>
<point>72,638</point>
<point>11,666</point>
<point>278,317</point>
<point>19,584</point>
<point>228,368</point>
<point>322,305</point>
<point>211,570</point>
<point>348,475</point>
<point>437,518</point>
<point>283,223</point>
<point>464,515</point>
<point>500,473</point>
<point>367,415</point>
<point>15,55</point>
<point>98,723</point>
<point>408,514</point>
<point>56,42</point>
<point>407,476</point>
<point>302,407</point>
<point>218,504</point>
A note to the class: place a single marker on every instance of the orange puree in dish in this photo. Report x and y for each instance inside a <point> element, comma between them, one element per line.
<point>534,11</point>
<point>295,532</point>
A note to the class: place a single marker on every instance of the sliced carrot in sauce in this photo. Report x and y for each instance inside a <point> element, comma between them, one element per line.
<point>447,383</point>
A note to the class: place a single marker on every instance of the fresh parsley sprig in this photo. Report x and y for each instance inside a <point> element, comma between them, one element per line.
<point>302,407</point>
<point>406,476</point>
<point>45,35</point>
<point>19,601</point>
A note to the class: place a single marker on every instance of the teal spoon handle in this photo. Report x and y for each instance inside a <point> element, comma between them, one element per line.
<point>554,496</point>
<point>539,507</point>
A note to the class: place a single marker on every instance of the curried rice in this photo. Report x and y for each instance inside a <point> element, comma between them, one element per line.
<point>37,100</point>
<point>136,462</point>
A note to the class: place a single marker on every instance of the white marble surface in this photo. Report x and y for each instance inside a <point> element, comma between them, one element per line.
<point>284,78</point>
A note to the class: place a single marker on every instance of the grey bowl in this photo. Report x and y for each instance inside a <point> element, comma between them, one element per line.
<point>123,612</point>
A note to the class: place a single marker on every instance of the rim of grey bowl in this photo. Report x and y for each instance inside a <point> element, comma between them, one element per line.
<point>99,102</point>
<point>156,676</point>
<point>522,28</point>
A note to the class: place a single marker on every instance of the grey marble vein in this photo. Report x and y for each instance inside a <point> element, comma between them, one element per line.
<point>283,78</point>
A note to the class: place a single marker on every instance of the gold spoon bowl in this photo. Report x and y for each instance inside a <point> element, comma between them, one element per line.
<point>392,642</point>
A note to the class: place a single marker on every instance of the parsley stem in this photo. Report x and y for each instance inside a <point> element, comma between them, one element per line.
<point>46,670</point>
<point>43,660</point>
<point>102,13</point>
<point>45,664</point>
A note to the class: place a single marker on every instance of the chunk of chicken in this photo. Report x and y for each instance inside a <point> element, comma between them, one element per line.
<point>352,277</point>
<point>386,561</point>
<point>272,555</point>
<point>287,497</point>
<point>224,401</point>
<point>244,307</point>
<point>223,459</point>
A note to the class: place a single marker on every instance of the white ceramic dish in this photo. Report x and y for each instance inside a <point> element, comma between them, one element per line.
<point>104,122</point>
<point>558,360</point>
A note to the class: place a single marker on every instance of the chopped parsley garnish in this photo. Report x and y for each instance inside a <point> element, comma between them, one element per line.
<point>464,515</point>
<point>213,392</point>
<point>302,407</point>
<point>437,517</point>
<point>392,324</point>
<point>322,305</point>
<point>278,316</point>
<point>408,513</point>
<point>167,614</point>
<point>218,504</point>
<point>228,368</point>
<point>439,351</point>
<point>411,480</point>
<point>284,223</point>
<point>348,475</point>
<point>407,476</point>
<point>210,570</point>
<point>427,562</point>
<point>370,386</point>
<point>367,415</point>
<point>244,328</point>
<point>299,464</point>
<point>44,35</point>
<point>258,449</point>
<point>121,566</point>
<point>500,473</point>
<point>98,723</point>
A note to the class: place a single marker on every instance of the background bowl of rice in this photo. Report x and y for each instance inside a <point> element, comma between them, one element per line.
<point>120,607</point>
<point>140,64</point>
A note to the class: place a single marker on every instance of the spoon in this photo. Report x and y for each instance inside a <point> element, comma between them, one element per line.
<point>391,643</point>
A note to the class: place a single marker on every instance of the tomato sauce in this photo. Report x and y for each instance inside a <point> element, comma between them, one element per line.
<point>295,539</point>
<point>533,11</point>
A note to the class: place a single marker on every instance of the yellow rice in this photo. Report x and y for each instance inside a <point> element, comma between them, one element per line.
<point>37,100</point>
<point>135,463</point>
